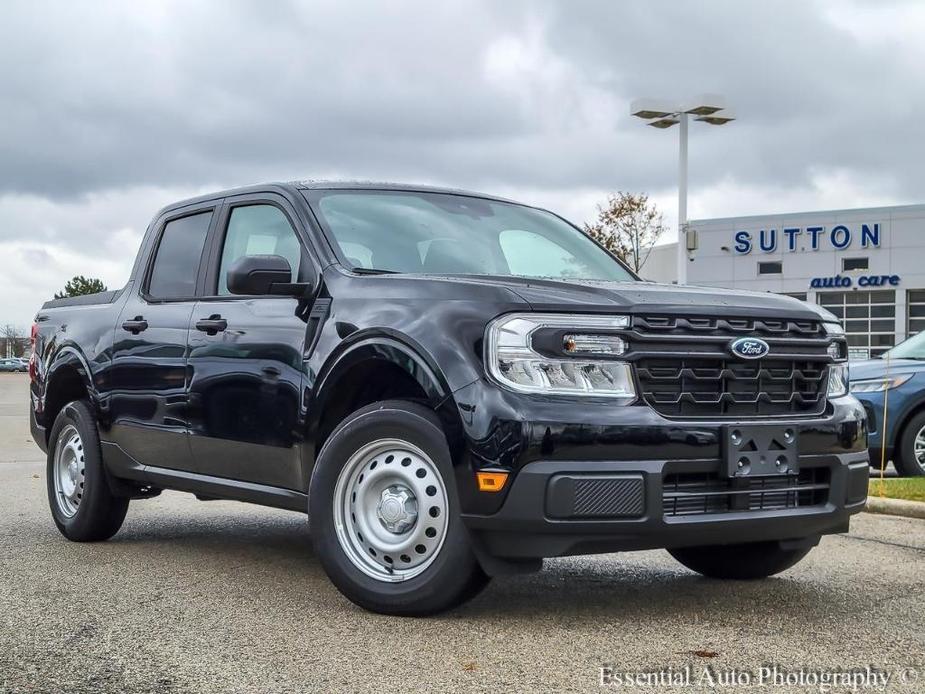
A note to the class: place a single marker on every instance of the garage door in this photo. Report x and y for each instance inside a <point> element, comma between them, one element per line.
<point>869,319</point>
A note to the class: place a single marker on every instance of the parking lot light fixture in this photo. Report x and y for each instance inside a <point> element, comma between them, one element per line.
<point>707,108</point>
<point>706,104</point>
<point>720,118</point>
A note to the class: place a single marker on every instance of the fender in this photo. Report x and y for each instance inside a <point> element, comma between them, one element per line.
<point>67,357</point>
<point>379,345</point>
<point>384,346</point>
<point>69,354</point>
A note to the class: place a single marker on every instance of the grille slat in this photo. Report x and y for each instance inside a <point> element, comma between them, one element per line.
<point>712,383</point>
<point>702,493</point>
<point>732,326</point>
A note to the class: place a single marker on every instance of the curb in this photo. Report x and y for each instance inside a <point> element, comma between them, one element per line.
<point>895,507</point>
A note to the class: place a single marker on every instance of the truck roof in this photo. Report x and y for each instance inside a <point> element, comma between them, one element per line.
<point>318,184</point>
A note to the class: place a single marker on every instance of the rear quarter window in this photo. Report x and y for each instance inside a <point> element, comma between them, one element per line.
<point>176,261</point>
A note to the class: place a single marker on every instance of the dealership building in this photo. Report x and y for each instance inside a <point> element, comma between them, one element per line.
<point>867,266</point>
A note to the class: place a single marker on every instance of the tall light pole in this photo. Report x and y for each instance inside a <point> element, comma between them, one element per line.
<point>710,109</point>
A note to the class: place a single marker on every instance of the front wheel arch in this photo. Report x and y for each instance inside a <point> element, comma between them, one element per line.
<point>372,368</point>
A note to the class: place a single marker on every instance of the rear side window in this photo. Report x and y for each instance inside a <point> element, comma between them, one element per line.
<point>176,264</point>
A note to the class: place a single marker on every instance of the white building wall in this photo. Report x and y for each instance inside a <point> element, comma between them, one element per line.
<point>661,265</point>
<point>717,263</point>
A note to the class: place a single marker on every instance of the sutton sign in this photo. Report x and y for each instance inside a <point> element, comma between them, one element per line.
<point>840,237</point>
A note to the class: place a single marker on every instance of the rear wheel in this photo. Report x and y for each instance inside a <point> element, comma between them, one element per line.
<point>82,504</point>
<point>384,513</point>
<point>910,454</point>
<point>740,562</point>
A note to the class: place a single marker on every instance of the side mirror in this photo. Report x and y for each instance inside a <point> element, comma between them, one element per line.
<point>254,275</point>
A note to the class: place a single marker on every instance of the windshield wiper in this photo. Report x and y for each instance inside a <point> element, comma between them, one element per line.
<point>374,271</point>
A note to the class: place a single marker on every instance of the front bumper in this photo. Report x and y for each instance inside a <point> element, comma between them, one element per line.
<point>546,512</point>
<point>635,460</point>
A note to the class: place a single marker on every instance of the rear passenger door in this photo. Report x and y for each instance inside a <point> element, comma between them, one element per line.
<point>148,401</point>
<point>246,353</point>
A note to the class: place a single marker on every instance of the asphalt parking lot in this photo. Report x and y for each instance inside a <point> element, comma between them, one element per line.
<point>218,596</point>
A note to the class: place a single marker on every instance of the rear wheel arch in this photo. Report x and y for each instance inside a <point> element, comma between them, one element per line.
<point>68,378</point>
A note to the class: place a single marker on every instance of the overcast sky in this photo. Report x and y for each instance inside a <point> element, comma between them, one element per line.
<point>110,110</point>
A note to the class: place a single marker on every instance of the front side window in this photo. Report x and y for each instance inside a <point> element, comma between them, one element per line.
<point>176,263</point>
<point>258,230</point>
<point>439,233</point>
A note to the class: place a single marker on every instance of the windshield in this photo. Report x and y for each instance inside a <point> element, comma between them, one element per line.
<point>913,348</point>
<point>438,233</point>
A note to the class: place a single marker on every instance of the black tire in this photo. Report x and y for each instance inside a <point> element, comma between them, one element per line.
<point>743,562</point>
<point>98,514</point>
<point>454,574</point>
<point>904,459</point>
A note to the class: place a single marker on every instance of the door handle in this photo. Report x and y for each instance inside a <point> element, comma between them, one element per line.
<point>212,325</point>
<point>136,325</point>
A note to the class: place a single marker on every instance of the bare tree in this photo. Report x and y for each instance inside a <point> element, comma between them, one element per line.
<point>628,226</point>
<point>14,341</point>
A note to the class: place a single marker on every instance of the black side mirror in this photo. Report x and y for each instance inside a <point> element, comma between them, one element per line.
<point>254,275</point>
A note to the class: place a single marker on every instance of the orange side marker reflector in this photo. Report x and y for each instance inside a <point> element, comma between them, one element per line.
<point>491,481</point>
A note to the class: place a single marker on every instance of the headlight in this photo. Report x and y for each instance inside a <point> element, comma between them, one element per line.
<point>838,380</point>
<point>833,329</point>
<point>878,385</point>
<point>531,353</point>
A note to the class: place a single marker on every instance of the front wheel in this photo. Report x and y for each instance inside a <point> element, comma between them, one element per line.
<point>82,504</point>
<point>384,513</point>
<point>739,562</point>
<point>910,455</point>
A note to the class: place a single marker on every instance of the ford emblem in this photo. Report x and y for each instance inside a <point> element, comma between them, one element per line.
<point>749,348</point>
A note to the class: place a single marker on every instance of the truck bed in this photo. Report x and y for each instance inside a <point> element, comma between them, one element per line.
<point>85,300</point>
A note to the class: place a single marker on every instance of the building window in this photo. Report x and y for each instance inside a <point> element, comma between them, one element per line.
<point>915,310</point>
<point>849,264</point>
<point>868,317</point>
<point>771,268</point>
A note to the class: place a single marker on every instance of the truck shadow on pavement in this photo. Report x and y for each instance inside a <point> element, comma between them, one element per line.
<point>630,586</point>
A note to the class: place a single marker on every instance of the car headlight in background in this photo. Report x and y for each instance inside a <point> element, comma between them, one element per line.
<point>568,362</point>
<point>878,385</point>
<point>838,380</point>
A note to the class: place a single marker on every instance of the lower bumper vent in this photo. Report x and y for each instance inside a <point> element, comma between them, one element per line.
<point>701,493</point>
<point>595,496</point>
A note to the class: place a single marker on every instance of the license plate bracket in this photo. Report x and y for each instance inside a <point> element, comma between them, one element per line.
<point>760,450</point>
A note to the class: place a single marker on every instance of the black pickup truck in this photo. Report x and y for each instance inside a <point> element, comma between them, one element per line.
<point>452,386</point>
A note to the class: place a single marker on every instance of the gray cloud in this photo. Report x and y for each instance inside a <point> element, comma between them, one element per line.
<point>112,109</point>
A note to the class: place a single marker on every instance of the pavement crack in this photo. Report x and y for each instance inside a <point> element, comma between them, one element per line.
<point>920,550</point>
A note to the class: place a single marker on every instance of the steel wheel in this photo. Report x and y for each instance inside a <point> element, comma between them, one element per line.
<point>69,471</point>
<point>390,510</point>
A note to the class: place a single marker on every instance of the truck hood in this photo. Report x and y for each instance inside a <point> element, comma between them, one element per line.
<point>593,295</point>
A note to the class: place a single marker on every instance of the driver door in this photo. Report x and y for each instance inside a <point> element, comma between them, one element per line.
<point>246,353</point>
